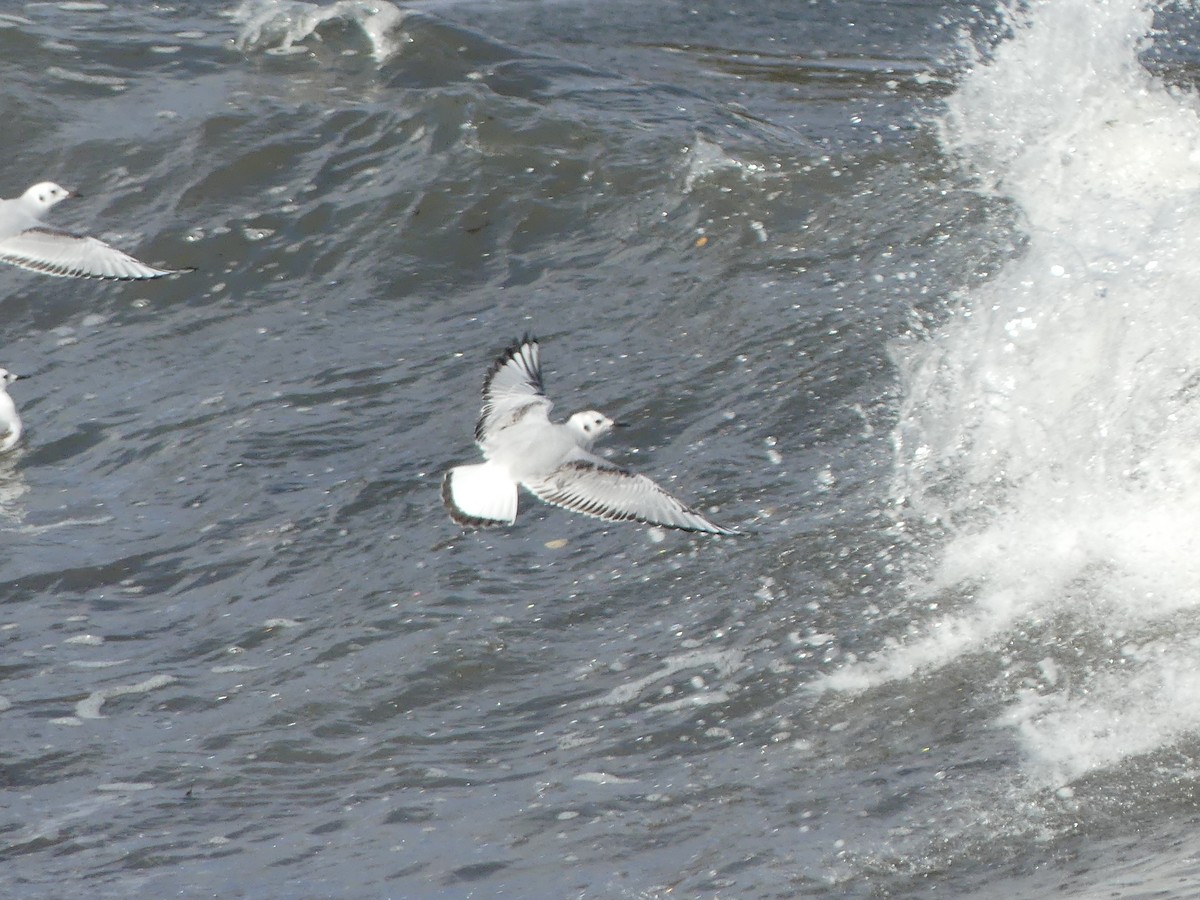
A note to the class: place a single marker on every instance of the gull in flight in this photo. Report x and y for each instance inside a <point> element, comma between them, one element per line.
<point>26,242</point>
<point>10,421</point>
<point>521,446</point>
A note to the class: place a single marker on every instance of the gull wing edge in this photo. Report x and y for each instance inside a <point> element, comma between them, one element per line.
<point>597,488</point>
<point>514,382</point>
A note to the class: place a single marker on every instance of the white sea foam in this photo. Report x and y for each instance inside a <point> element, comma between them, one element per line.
<point>725,662</point>
<point>282,26</point>
<point>704,158</point>
<point>109,81</point>
<point>1050,427</point>
<point>89,706</point>
<point>1148,704</point>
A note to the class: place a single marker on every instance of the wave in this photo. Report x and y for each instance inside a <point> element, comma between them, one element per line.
<point>283,26</point>
<point>1045,445</point>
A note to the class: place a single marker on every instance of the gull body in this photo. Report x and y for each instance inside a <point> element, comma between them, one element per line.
<point>535,445</point>
<point>10,420</point>
<point>522,447</point>
<point>26,242</point>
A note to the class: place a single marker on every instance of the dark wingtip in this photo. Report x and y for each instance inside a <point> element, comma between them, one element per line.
<point>734,532</point>
<point>511,352</point>
<point>716,530</point>
<point>724,530</point>
<point>513,349</point>
<point>166,273</point>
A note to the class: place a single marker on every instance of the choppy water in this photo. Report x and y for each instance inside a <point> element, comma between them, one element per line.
<point>907,288</point>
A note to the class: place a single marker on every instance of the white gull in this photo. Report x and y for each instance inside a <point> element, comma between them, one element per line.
<point>521,446</point>
<point>26,242</point>
<point>10,421</point>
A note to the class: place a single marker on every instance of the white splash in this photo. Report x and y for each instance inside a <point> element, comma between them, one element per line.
<point>1050,427</point>
<point>281,26</point>
<point>704,158</point>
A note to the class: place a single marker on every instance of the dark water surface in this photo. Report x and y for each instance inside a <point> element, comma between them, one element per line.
<point>247,654</point>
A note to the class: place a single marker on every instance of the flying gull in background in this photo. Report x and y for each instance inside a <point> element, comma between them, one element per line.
<point>522,446</point>
<point>10,421</point>
<point>25,242</point>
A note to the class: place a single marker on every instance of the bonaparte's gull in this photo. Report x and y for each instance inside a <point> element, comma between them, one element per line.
<point>10,421</point>
<point>522,446</point>
<point>27,243</point>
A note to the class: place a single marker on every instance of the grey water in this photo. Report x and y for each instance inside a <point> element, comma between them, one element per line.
<point>246,653</point>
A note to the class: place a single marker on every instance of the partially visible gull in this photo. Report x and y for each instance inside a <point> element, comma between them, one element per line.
<point>26,242</point>
<point>10,420</point>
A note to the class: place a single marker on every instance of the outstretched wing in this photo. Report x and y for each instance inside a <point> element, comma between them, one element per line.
<point>594,487</point>
<point>512,389</point>
<point>60,253</point>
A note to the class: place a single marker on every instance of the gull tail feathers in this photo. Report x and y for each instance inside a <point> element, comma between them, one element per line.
<point>480,495</point>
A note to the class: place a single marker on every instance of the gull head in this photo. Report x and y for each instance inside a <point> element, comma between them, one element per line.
<point>44,195</point>
<point>7,377</point>
<point>590,426</point>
